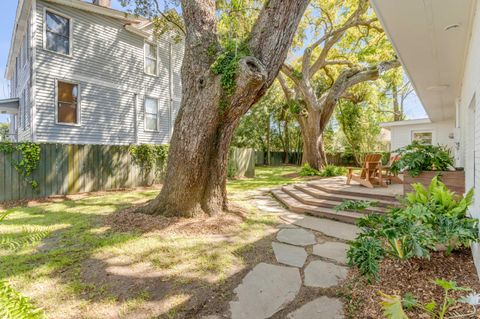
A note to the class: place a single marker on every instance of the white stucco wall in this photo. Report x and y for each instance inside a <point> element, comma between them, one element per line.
<point>469,121</point>
<point>402,135</point>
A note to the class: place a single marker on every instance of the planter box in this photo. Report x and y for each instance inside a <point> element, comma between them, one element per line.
<point>455,181</point>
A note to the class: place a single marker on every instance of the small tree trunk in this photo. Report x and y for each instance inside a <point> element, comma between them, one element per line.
<point>397,113</point>
<point>313,150</point>
<point>268,142</point>
<point>287,142</point>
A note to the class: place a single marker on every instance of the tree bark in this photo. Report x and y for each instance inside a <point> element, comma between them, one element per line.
<point>195,182</point>
<point>312,131</point>
<point>319,110</point>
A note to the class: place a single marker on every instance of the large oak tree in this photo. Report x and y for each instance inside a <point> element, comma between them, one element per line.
<point>350,48</point>
<point>220,83</point>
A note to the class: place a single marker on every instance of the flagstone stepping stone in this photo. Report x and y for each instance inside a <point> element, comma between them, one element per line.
<point>265,290</point>
<point>329,227</point>
<point>332,250</point>
<point>299,237</point>
<point>289,255</point>
<point>320,308</point>
<point>323,274</point>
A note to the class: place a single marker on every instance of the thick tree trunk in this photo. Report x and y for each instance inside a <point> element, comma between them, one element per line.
<point>195,180</point>
<point>312,131</point>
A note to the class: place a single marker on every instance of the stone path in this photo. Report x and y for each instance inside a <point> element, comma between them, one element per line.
<point>311,254</point>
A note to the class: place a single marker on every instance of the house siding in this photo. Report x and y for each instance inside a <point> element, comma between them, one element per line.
<point>470,122</point>
<point>402,135</point>
<point>108,63</point>
<point>21,86</point>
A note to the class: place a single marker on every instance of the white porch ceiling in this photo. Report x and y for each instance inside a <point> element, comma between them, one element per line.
<point>432,55</point>
<point>9,106</point>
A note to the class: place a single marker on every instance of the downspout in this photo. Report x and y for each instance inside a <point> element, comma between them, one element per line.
<point>135,117</point>
<point>170,88</point>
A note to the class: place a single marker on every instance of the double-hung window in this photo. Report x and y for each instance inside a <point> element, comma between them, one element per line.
<point>151,114</point>
<point>151,58</point>
<point>57,33</point>
<point>67,103</point>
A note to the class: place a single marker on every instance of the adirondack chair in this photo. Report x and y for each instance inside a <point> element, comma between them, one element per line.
<point>388,175</point>
<point>371,173</point>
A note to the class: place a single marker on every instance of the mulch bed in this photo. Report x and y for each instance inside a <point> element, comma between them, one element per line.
<point>416,277</point>
<point>130,220</point>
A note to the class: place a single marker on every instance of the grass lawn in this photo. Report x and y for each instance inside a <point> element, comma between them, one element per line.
<point>267,176</point>
<point>85,259</point>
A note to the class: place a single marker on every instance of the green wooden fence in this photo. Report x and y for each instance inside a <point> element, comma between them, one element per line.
<point>69,169</point>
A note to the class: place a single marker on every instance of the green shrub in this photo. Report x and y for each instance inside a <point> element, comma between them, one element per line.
<point>149,156</point>
<point>307,170</point>
<point>432,219</point>
<point>417,157</point>
<point>366,253</point>
<point>332,170</point>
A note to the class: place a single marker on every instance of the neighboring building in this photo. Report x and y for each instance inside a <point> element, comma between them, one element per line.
<point>438,43</point>
<point>425,131</point>
<point>83,73</point>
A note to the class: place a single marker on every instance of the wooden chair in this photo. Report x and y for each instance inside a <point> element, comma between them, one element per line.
<point>371,173</point>
<point>388,175</point>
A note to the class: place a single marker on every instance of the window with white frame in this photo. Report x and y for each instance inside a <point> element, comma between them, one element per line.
<point>151,114</point>
<point>423,137</point>
<point>151,58</point>
<point>57,33</point>
<point>67,103</point>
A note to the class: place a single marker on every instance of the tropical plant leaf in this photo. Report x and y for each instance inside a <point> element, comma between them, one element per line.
<point>392,306</point>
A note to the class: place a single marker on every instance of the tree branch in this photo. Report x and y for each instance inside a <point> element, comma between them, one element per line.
<point>167,18</point>
<point>273,33</point>
<point>348,79</point>
<point>332,37</point>
<point>286,90</point>
<point>201,32</point>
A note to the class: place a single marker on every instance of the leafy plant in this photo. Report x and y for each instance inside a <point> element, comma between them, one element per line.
<point>226,64</point>
<point>355,205</point>
<point>307,170</point>
<point>29,157</point>
<point>433,219</point>
<point>332,170</point>
<point>393,305</point>
<point>149,157</point>
<point>417,157</point>
<point>365,253</point>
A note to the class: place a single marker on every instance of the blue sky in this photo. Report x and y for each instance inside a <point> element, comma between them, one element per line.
<point>413,108</point>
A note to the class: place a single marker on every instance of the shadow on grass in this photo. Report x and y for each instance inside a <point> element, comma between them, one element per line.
<point>135,275</point>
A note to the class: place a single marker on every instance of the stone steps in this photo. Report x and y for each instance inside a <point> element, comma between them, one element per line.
<point>321,194</point>
<point>320,201</point>
<point>298,207</point>
<point>304,195</point>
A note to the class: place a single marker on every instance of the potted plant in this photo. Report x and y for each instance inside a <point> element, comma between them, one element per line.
<point>420,163</point>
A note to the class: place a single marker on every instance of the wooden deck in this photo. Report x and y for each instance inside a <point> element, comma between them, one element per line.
<point>338,185</point>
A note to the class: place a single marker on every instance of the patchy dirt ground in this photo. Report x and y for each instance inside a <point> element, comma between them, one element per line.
<point>416,277</point>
